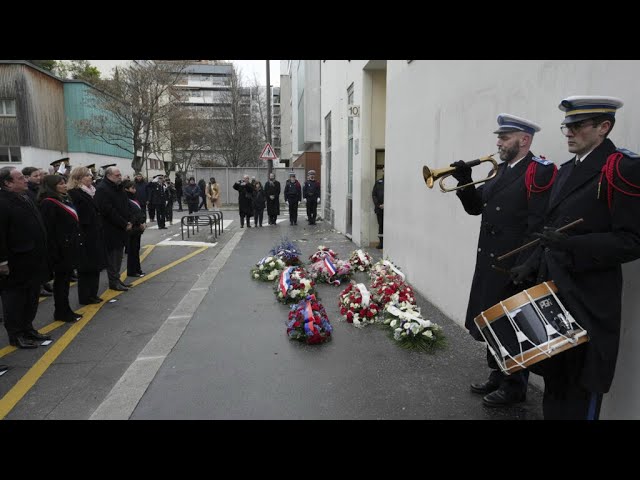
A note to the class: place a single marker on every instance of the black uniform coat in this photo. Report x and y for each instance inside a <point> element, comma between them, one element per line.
<point>377,194</point>
<point>66,243</point>
<point>245,197</point>
<point>589,275</point>
<point>292,192</point>
<point>508,217</point>
<point>113,205</point>
<point>311,191</point>
<point>272,188</point>
<point>94,256</point>
<point>23,242</point>
<point>158,194</point>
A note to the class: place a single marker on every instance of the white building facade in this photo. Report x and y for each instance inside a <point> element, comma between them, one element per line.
<point>416,113</point>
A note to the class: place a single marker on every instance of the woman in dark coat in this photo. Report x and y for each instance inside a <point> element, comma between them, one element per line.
<point>259,199</point>
<point>245,199</point>
<point>192,195</point>
<point>64,241</point>
<point>138,222</point>
<point>272,192</point>
<point>93,255</point>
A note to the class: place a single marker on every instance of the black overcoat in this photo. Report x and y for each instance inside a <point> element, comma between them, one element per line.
<point>94,256</point>
<point>23,242</point>
<point>272,188</point>
<point>509,215</point>
<point>589,274</point>
<point>245,197</point>
<point>113,205</point>
<point>65,239</point>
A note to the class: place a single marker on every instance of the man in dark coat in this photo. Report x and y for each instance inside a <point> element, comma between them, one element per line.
<point>24,261</point>
<point>158,197</point>
<point>272,191</point>
<point>293,196</point>
<point>377,194</point>
<point>178,185</point>
<point>512,205</point>
<point>311,192</point>
<point>600,184</point>
<point>113,204</point>
<point>245,199</point>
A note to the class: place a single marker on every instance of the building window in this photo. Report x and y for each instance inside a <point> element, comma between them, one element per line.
<point>7,108</point>
<point>10,154</point>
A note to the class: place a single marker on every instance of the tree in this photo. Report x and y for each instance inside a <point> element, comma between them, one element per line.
<point>78,70</point>
<point>132,108</point>
<point>234,136</point>
<point>48,65</point>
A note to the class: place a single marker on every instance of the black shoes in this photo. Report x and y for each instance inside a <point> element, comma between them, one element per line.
<point>137,275</point>
<point>68,317</point>
<point>35,335</point>
<point>503,398</point>
<point>119,288</point>
<point>484,387</point>
<point>3,368</point>
<point>21,341</point>
<point>126,285</point>
<point>91,300</point>
<point>44,293</point>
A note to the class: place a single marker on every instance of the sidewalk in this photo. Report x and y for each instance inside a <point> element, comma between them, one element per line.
<point>234,360</point>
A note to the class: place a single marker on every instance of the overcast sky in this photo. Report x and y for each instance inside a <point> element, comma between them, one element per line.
<point>248,67</point>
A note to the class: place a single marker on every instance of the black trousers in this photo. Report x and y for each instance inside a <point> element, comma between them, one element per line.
<point>114,262</point>
<point>193,207</point>
<point>88,283</point>
<point>152,212</point>
<point>179,199</point>
<point>242,217</point>
<point>380,216</point>
<point>516,382</point>
<point>168,211</point>
<point>312,209</point>
<point>293,212</point>
<point>160,214</point>
<point>61,281</point>
<point>257,216</point>
<point>203,202</point>
<point>133,255</point>
<point>19,308</point>
<point>144,209</point>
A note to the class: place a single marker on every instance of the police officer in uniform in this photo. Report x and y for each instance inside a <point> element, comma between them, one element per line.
<point>377,194</point>
<point>158,196</point>
<point>311,193</point>
<point>600,184</point>
<point>512,206</point>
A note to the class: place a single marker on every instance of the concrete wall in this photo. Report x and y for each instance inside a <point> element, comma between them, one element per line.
<point>441,111</point>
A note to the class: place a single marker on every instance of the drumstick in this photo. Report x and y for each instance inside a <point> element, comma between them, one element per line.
<point>533,242</point>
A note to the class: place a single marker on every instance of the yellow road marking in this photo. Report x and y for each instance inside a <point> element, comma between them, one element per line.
<point>22,387</point>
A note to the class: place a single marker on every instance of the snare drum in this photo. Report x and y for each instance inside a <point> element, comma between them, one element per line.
<point>528,327</point>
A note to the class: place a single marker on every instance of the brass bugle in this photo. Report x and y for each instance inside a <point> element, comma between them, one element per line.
<point>430,176</point>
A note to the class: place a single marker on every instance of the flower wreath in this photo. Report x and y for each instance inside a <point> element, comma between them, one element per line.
<point>268,269</point>
<point>410,329</point>
<point>357,306</point>
<point>293,285</point>
<point>385,268</point>
<point>360,260</point>
<point>322,253</point>
<point>392,289</point>
<point>288,252</point>
<point>308,322</point>
<point>330,271</point>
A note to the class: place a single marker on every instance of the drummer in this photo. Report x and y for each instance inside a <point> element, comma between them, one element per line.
<point>600,184</point>
<point>511,205</point>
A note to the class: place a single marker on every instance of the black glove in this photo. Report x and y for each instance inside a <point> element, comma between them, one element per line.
<point>552,239</point>
<point>527,271</point>
<point>462,173</point>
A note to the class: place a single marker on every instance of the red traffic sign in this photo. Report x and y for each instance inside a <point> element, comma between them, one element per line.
<point>268,153</point>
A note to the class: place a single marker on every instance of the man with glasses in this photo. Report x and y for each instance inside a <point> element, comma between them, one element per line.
<point>511,204</point>
<point>601,185</point>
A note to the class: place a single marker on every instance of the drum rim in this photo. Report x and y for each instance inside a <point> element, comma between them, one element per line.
<point>515,301</point>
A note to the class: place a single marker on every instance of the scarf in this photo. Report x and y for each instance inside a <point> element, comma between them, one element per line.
<point>91,190</point>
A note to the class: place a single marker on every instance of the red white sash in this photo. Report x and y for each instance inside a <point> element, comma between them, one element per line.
<point>135,202</point>
<point>67,208</point>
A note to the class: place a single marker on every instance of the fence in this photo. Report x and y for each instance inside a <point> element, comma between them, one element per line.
<point>227,176</point>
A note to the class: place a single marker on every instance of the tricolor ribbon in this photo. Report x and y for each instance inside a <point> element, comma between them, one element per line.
<point>387,262</point>
<point>309,327</point>
<point>135,202</point>
<point>67,208</point>
<point>329,265</point>
<point>262,261</point>
<point>285,281</point>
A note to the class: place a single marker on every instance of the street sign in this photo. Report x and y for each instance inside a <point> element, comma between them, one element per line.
<point>268,153</point>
